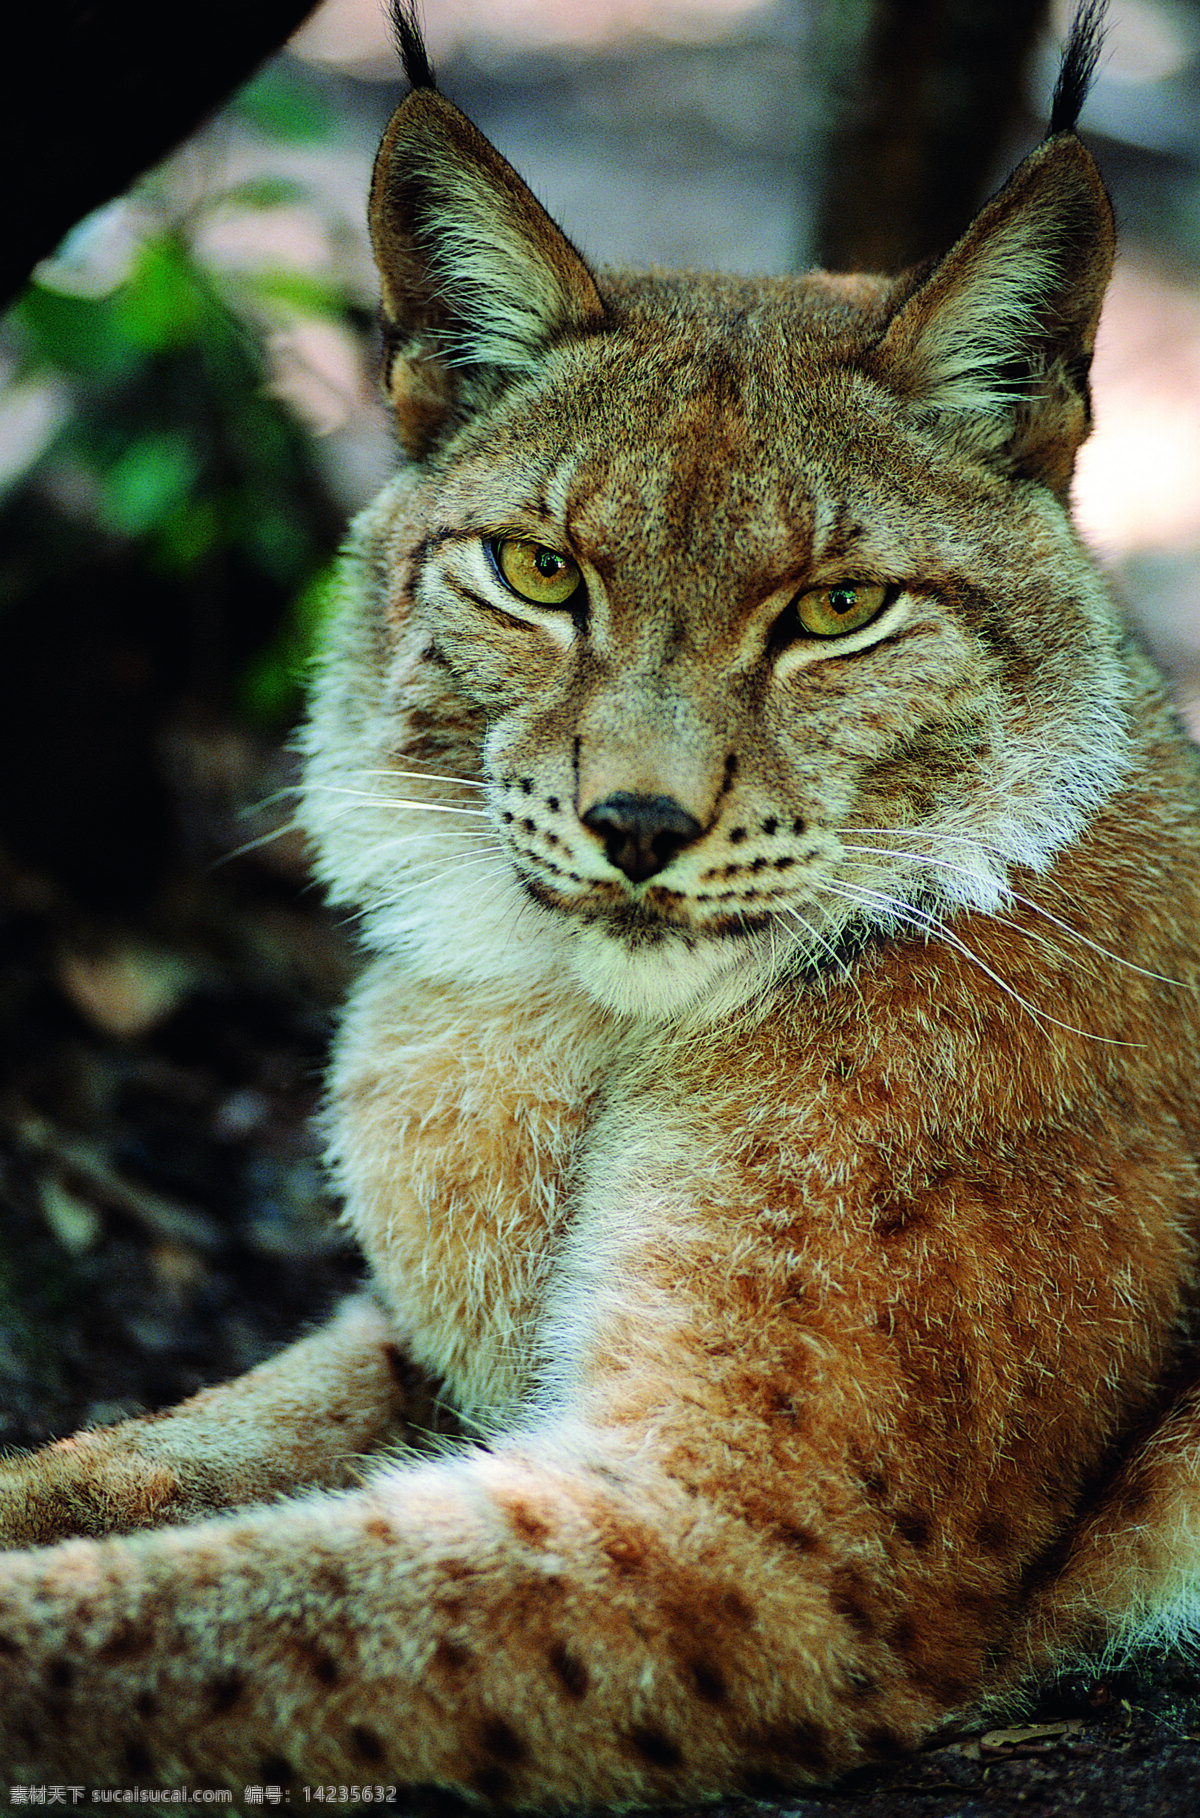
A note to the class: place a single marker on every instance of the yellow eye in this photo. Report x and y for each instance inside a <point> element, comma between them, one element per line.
<point>830,612</point>
<point>537,574</point>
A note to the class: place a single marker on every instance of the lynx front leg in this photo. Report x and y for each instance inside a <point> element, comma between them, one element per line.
<point>1132,1577</point>
<point>302,1420</point>
<point>570,1628</point>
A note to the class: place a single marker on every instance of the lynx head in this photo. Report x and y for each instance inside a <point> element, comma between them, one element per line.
<point>712,624</point>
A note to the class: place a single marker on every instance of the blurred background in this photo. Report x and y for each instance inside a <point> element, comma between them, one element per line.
<point>188,417</point>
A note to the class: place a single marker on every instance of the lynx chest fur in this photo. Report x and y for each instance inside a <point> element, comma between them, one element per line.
<point>771,1103</point>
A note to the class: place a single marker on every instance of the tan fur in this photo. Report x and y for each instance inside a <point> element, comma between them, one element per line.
<point>783,1234</point>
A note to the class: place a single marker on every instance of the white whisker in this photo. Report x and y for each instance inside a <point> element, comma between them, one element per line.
<point>1005,921</point>
<point>917,918</point>
<point>396,801</point>
<point>835,956</point>
<point>259,841</point>
<point>426,776</point>
<point>261,803</point>
<point>1015,896</point>
<point>410,884</point>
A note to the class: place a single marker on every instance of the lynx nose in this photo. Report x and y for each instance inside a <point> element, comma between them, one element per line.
<point>641,833</point>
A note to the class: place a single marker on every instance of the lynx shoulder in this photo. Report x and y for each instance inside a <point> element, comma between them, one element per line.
<point>771,1103</point>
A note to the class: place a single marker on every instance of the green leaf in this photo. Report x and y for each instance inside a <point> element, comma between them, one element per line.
<point>265,192</point>
<point>82,335</point>
<point>281,102</point>
<point>147,483</point>
<point>187,533</point>
<point>163,305</point>
<point>298,291</point>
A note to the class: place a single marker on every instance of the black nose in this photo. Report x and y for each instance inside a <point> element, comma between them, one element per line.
<point>641,833</point>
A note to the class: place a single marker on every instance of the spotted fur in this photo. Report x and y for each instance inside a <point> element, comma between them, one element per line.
<point>771,1103</point>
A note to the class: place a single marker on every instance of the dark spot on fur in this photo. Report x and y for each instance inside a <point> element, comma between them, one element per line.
<point>897,1217</point>
<point>137,1761</point>
<point>402,1370</point>
<point>654,1747</point>
<point>569,1669</point>
<point>884,1743</point>
<point>626,1552</point>
<point>949,1687</point>
<point>994,1533</point>
<point>492,1783</point>
<point>527,1525</point>
<point>875,1484</point>
<point>1043,1566</point>
<point>8,1646</point>
<point>452,1658</point>
<point>126,1642</point>
<point>501,1741</point>
<point>145,1705</point>
<point>366,1744</point>
<point>737,1609</point>
<point>848,1598</point>
<point>324,1667</point>
<point>275,1769</point>
<point>59,1674</point>
<point>914,1527</point>
<point>609,1473</point>
<point>902,1636</point>
<point>326,1576</point>
<point>709,1681</point>
<point>225,1691</point>
<point>978,1602</point>
<point>805,1743</point>
<point>800,1539</point>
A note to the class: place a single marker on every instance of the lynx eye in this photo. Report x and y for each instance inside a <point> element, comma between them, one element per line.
<point>533,571</point>
<point>830,612</point>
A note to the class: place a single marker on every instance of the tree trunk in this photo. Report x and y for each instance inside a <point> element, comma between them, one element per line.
<point>92,92</point>
<point>921,93</point>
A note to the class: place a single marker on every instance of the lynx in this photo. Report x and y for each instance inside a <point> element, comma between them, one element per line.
<point>771,1103</point>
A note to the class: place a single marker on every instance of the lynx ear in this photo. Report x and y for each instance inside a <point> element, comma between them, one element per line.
<point>477,279</point>
<point>995,344</point>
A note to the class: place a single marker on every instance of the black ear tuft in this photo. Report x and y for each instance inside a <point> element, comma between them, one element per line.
<point>411,45</point>
<point>1078,66</point>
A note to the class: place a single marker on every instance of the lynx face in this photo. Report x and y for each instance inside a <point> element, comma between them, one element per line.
<point>749,613</point>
